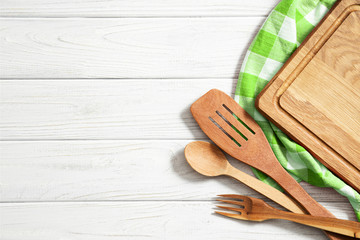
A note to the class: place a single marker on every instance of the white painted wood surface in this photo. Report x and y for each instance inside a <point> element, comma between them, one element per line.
<point>125,47</point>
<point>94,117</point>
<point>139,8</point>
<point>103,109</point>
<point>113,170</point>
<point>142,220</point>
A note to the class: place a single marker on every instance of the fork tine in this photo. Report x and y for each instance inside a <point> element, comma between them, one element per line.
<point>230,208</point>
<point>230,215</point>
<point>234,196</point>
<point>231,202</point>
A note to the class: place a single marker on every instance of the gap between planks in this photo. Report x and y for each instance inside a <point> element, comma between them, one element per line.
<point>114,170</point>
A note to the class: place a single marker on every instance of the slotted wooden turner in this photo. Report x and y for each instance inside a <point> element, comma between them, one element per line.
<point>231,128</point>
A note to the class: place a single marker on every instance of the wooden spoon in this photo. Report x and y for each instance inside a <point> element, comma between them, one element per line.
<point>207,159</point>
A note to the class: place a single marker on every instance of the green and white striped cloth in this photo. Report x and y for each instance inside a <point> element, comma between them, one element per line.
<point>285,28</point>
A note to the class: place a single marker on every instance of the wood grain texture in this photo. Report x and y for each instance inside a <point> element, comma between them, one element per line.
<point>139,170</point>
<point>141,220</point>
<point>124,47</point>
<point>98,109</point>
<point>315,97</point>
<point>62,173</point>
<point>337,105</point>
<point>140,8</point>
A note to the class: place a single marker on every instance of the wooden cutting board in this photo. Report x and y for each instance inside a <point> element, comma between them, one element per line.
<point>315,97</point>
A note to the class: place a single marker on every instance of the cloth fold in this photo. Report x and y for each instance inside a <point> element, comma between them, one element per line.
<point>283,31</point>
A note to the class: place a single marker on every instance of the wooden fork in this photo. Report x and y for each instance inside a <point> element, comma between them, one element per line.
<point>254,209</point>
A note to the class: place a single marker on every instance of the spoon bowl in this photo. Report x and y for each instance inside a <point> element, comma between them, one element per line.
<point>206,158</point>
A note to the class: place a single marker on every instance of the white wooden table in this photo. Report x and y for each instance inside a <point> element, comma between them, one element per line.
<point>95,98</point>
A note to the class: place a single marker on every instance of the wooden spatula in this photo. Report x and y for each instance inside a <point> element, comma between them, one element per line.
<point>237,133</point>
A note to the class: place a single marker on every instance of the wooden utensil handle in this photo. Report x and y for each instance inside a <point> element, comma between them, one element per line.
<point>265,189</point>
<point>291,186</point>
<point>345,227</point>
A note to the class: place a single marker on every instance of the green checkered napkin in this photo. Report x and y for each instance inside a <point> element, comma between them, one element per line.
<point>285,28</point>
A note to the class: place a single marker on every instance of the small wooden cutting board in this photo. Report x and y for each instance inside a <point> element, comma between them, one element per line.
<point>315,97</point>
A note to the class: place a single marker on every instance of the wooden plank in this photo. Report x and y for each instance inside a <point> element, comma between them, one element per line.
<point>113,170</point>
<point>141,220</point>
<point>141,8</point>
<point>98,109</point>
<point>124,47</point>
